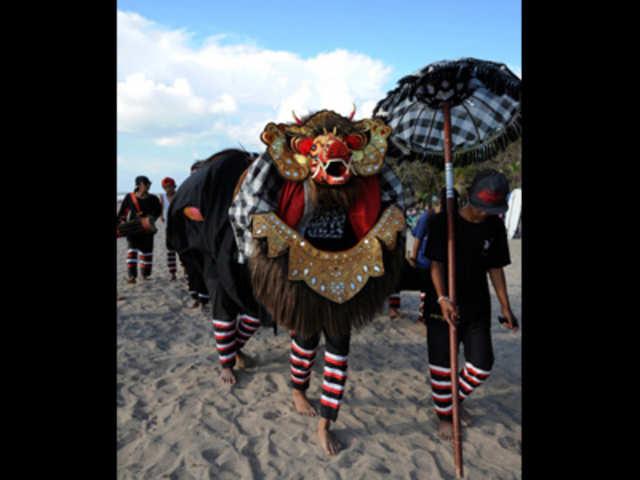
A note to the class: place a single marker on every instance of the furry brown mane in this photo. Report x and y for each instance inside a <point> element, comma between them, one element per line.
<point>327,196</point>
<point>296,307</point>
<point>327,119</point>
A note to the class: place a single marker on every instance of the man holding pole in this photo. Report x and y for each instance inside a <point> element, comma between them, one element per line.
<point>481,247</point>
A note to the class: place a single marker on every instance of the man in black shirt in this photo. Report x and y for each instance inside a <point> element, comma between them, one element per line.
<point>140,246</point>
<point>481,247</point>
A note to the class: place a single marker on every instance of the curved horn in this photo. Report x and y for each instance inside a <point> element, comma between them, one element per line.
<point>353,112</point>
<point>298,121</point>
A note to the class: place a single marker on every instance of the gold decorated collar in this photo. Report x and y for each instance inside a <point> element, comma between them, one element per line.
<point>336,276</point>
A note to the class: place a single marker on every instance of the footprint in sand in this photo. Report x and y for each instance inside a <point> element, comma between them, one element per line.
<point>209,455</point>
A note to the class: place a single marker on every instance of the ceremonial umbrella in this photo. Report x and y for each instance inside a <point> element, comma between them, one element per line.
<point>448,112</point>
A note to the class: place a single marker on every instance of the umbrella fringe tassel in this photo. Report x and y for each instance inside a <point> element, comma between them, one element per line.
<point>463,158</point>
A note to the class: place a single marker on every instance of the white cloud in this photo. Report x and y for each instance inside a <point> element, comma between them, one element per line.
<point>144,104</point>
<point>226,104</point>
<point>176,141</point>
<point>173,93</point>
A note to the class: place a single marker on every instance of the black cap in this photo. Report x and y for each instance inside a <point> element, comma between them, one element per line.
<point>142,179</point>
<point>488,192</point>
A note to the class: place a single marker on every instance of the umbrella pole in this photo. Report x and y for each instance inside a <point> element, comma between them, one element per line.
<point>453,333</point>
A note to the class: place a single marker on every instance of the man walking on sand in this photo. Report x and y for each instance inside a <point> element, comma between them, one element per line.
<point>140,203</point>
<point>481,247</point>
<point>169,187</point>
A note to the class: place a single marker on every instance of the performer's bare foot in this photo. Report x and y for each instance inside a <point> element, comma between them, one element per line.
<point>243,360</point>
<point>465,419</point>
<point>327,441</point>
<point>227,376</point>
<point>131,280</point>
<point>302,405</point>
<point>173,277</point>
<point>445,427</point>
<point>393,313</point>
<point>196,304</point>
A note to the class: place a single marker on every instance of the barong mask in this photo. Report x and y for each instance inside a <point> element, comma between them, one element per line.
<point>305,288</point>
<point>328,147</point>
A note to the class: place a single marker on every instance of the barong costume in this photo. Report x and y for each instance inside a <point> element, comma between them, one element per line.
<point>199,230</point>
<point>325,266</point>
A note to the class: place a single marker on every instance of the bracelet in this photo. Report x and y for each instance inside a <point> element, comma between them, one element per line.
<point>444,298</point>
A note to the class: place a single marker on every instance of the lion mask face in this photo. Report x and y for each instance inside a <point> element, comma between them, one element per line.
<point>328,147</point>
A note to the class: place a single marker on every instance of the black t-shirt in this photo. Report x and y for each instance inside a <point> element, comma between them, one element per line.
<point>149,206</point>
<point>329,229</point>
<point>478,247</point>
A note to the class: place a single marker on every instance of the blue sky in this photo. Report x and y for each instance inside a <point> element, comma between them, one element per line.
<point>195,77</point>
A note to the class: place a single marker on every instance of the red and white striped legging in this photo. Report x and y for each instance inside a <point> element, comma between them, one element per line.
<point>303,353</point>
<point>139,252</point>
<point>469,379</point>
<point>171,261</point>
<point>475,335</point>
<point>231,336</point>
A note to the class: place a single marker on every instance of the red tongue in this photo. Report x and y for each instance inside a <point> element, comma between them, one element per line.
<point>337,149</point>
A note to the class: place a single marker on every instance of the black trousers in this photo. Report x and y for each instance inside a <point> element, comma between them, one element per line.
<point>139,251</point>
<point>474,333</point>
<point>428,296</point>
<point>303,353</point>
<point>411,279</point>
<point>171,261</point>
<point>193,264</point>
<point>231,327</point>
<point>233,324</point>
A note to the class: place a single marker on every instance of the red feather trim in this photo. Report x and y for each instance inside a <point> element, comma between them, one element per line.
<point>291,203</point>
<point>363,215</point>
<point>365,211</point>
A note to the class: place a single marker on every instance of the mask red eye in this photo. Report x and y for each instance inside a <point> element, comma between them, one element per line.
<point>354,142</point>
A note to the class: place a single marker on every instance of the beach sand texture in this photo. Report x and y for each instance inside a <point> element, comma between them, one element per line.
<point>176,420</point>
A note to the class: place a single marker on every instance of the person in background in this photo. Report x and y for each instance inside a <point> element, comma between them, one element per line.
<point>409,279</point>
<point>169,187</point>
<point>140,246</point>
<point>435,202</point>
<point>418,260</point>
<point>481,248</point>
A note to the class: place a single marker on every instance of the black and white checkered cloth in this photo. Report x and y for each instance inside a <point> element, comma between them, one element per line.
<point>260,190</point>
<point>485,110</point>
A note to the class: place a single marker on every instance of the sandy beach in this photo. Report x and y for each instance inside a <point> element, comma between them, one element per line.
<point>176,420</point>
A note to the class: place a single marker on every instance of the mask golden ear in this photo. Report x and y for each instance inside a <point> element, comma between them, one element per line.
<point>301,159</point>
<point>290,168</point>
<point>301,146</point>
<point>374,151</point>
